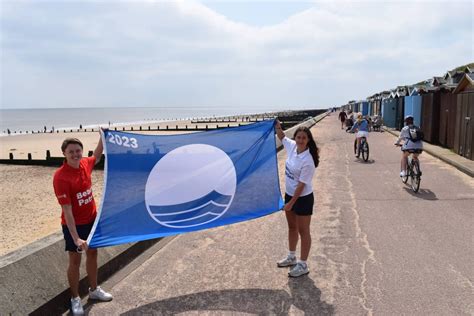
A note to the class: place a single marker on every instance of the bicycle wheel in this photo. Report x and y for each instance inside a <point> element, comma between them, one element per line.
<point>365,150</point>
<point>409,171</point>
<point>415,175</point>
<point>405,178</point>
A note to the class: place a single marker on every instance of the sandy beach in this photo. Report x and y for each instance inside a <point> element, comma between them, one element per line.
<point>29,208</point>
<point>37,144</point>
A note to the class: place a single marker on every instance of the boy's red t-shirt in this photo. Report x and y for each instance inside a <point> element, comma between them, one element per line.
<point>74,186</point>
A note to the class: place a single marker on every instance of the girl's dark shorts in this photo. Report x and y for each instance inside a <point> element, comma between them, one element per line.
<point>413,151</point>
<point>83,232</point>
<point>304,204</point>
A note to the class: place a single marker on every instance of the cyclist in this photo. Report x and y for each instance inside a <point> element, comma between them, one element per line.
<point>362,127</point>
<point>411,143</point>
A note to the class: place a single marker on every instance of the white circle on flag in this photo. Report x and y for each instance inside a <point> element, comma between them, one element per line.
<point>190,186</point>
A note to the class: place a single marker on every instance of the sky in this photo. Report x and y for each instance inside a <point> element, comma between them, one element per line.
<point>258,54</point>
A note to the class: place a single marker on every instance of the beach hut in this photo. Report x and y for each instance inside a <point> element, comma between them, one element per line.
<point>378,107</point>
<point>378,101</point>
<point>356,106</point>
<point>351,105</point>
<point>364,107</point>
<point>447,115</point>
<point>430,104</point>
<point>372,104</point>
<point>389,112</point>
<point>399,96</point>
<point>438,81</point>
<point>371,108</point>
<point>413,106</point>
<point>464,126</point>
<point>455,76</point>
<point>400,108</point>
<point>371,101</point>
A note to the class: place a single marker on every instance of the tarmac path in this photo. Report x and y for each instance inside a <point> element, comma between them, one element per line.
<point>377,248</point>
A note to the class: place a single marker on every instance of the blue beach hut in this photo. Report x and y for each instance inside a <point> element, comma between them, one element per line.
<point>356,107</point>
<point>413,107</point>
<point>365,108</point>
<point>389,112</point>
<point>371,108</point>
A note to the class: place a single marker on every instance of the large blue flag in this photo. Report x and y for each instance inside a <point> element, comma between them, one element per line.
<point>157,186</point>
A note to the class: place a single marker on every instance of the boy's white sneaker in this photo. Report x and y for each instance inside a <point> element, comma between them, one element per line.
<point>287,262</point>
<point>298,270</point>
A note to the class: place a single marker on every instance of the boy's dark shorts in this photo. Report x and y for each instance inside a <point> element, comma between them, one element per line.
<point>304,204</point>
<point>83,232</point>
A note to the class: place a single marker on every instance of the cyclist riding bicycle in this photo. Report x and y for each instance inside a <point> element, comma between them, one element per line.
<point>362,127</point>
<point>412,143</point>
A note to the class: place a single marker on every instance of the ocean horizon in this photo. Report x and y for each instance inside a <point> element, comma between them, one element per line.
<point>40,119</point>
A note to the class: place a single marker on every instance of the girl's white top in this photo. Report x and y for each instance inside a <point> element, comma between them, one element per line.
<point>298,168</point>
<point>408,144</point>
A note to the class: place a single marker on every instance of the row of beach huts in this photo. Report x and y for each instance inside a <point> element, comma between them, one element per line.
<point>443,107</point>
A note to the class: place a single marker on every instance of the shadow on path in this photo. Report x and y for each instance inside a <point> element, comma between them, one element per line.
<point>304,295</point>
<point>361,161</point>
<point>424,194</point>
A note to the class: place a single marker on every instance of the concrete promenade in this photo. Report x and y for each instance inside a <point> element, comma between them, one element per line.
<point>377,248</point>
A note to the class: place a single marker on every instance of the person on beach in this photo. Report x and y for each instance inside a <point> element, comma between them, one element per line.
<point>73,188</point>
<point>302,161</point>
<point>342,117</point>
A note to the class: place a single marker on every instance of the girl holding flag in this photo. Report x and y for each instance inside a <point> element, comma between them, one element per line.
<point>303,158</point>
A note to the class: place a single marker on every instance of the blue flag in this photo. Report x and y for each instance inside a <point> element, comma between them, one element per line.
<point>157,186</point>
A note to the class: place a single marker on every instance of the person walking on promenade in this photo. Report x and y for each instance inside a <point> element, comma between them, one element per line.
<point>73,188</point>
<point>342,117</point>
<point>302,161</point>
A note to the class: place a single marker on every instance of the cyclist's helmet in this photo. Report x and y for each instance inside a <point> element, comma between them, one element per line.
<point>408,117</point>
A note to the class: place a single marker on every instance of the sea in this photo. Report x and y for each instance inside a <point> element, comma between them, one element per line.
<point>39,120</point>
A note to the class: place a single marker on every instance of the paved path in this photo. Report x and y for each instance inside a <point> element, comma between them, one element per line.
<point>377,248</point>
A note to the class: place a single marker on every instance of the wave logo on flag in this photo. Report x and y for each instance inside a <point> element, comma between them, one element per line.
<point>169,204</point>
<point>163,185</point>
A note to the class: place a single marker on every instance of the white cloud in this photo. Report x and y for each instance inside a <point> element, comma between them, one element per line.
<point>184,54</point>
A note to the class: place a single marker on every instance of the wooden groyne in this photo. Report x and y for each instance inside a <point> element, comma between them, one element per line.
<point>219,122</point>
<point>288,120</point>
<point>48,161</point>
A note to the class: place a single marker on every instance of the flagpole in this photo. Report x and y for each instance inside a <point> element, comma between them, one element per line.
<point>99,212</point>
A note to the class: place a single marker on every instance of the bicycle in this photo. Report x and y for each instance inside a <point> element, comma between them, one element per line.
<point>363,148</point>
<point>413,170</point>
